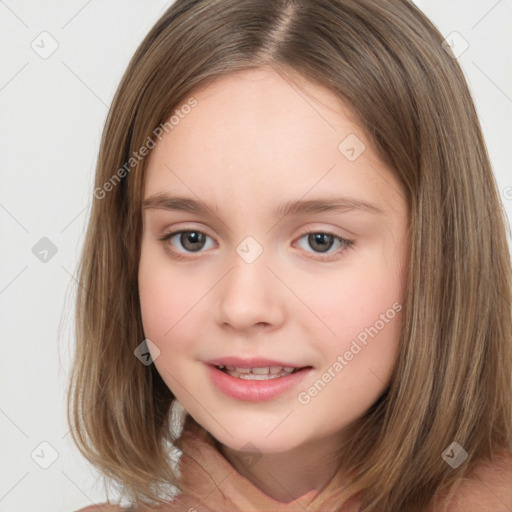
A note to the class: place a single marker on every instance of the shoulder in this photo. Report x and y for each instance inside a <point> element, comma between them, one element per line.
<point>103,507</point>
<point>176,505</point>
<point>487,489</point>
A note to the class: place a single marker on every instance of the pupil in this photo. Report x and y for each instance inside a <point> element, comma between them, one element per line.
<point>319,239</point>
<point>189,238</point>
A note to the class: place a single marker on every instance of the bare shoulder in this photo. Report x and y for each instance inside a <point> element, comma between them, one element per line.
<point>103,507</point>
<point>487,489</point>
<point>171,506</point>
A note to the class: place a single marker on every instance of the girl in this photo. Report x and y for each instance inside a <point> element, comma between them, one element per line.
<point>295,286</point>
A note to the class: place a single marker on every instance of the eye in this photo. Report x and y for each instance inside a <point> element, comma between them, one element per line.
<point>194,240</point>
<point>324,241</point>
<point>191,240</point>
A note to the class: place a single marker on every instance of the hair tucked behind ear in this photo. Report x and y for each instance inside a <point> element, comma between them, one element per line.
<point>452,382</point>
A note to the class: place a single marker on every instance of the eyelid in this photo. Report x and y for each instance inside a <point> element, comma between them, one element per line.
<point>330,256</point>
<point>316,228</point>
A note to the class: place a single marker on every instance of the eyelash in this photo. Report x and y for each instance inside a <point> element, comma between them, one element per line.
<point>175,254</point>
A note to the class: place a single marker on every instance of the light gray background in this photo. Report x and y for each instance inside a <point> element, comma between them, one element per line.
<point>52,113</point>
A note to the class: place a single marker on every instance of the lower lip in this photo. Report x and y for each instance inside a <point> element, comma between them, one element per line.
<point>255,390</point>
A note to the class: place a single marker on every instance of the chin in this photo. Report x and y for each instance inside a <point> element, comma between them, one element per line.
<point>243,436</point>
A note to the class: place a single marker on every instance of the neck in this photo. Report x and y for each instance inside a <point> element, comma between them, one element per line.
<point>285,476</point>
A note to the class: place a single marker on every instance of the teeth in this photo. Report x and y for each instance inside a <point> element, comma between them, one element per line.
<point>260,371</point>
<point>266,373</point>
<point>254,376</point>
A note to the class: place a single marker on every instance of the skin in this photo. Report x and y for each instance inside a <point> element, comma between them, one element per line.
<point>255,140</point>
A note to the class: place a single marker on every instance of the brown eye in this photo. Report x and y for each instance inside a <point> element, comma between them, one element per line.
<point>190,241</point>
<point>321,242</point>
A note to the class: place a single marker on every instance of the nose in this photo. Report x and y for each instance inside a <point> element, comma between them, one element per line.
<point>250,296</point>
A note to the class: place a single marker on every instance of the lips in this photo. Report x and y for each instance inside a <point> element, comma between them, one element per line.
<point>269,372</point>
<point>252,362</point>
<point>255,389</point>
<point>255,378</point>
<point>255,368</point>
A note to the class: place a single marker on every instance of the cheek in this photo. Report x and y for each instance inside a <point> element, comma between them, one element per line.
<point>353,300</point>
<point>173,309</point>
<point>163,297</point>
<point>156,303</point>
<point>358,364</point>
<point>363,307</point>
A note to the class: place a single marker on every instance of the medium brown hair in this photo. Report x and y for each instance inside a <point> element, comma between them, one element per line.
<point>385,60</point>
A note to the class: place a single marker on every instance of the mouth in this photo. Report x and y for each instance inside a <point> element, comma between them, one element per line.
<point>248,382</point>
<point>262,373</point>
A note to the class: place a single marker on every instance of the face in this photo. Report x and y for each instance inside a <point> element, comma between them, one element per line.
<point>319,289</point>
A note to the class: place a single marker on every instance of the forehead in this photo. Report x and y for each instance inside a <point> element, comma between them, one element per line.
<point>257,102</point>
<point>255,134</point>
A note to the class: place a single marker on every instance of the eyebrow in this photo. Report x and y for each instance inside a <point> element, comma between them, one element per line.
<point>293,207</point>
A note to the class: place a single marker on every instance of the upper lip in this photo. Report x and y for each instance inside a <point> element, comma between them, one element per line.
<point>251,362</point>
